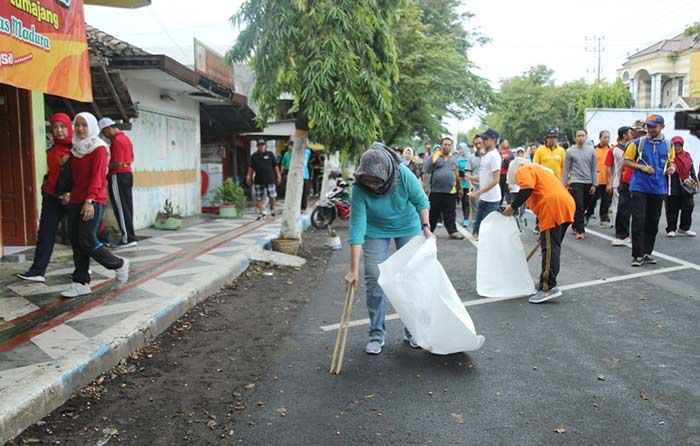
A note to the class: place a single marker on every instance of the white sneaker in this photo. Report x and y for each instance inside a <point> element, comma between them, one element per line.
<point>374,347</point>
<point>618,242</point>
<point>671,234</point>
<point>77,289</point>
<point>32,277</point>
<point>122,274</point>
<point>687,233</point>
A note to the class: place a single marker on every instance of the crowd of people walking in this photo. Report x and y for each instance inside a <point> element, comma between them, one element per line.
<point>399,195</point>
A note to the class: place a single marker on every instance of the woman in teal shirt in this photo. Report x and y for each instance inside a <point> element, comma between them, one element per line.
<point>388,203</point>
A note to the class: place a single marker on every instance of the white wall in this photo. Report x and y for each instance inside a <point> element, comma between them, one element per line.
<point>612,119</point>
<point>166,138</point>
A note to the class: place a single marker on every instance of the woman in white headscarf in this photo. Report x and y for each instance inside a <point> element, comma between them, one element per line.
<point>408,159</point>
<point>388,204</point>
<point>86,203</point>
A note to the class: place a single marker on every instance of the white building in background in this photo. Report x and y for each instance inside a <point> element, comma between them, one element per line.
<point>664,75</point>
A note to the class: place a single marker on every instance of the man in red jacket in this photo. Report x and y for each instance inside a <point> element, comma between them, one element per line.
<point>121,180</point>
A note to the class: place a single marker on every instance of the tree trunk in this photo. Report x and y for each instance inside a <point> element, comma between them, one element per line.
<point>331,165</point>
<point>291,227</point>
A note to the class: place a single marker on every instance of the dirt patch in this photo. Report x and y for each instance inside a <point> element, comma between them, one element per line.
<point>192,383</point>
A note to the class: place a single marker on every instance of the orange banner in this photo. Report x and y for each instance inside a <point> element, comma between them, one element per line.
<point>43,47</point>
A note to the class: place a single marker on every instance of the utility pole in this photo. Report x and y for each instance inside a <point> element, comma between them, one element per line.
<point>597,47</point>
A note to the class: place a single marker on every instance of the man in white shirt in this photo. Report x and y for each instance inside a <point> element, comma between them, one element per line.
<point>489,194</point>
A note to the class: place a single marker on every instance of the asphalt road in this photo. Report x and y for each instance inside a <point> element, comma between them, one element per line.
<point>613,363</point>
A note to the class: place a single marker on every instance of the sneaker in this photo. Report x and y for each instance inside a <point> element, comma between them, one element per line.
<point>687,233</point>
<point>409,339</point>
<point>76,289</point>
<point>605,225</point>
<point>122,274</point>
<point>121,244</point>
<point>374,347</point>
<point>627,240</point>
<point>671,234</point>
<point>579,236</point>
<point>32,277</point>
<point>544,296</point>
<point>456,236</point>
<point>649,259</point>
<point>465,223</point>
<point>439,225</point>
<point>261,216</point>
<point>637,261</point>
<point>273,213</point>
<point>619,242</point>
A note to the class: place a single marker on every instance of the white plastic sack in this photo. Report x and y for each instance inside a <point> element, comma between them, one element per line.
<point>501,263</point>
<point>420,291</point>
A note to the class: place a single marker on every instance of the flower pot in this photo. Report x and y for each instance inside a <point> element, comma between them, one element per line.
<point>169,224</point>
<point>228,211</point>
<point>286,245</point>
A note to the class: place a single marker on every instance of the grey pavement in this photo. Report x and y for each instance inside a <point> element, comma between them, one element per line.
<point>50,347</point>
<point>615,361</point>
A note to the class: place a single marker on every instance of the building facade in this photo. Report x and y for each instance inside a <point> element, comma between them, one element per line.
<point>664,75</point>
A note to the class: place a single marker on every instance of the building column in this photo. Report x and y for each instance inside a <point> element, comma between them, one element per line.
<point>656,90</point>
<point>634,91</point>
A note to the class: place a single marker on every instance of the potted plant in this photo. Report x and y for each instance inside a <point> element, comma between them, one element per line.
<point>169,219</point>
<point>232,199</point>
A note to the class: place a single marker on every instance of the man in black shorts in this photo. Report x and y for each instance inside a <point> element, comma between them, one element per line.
<point>263,166</point>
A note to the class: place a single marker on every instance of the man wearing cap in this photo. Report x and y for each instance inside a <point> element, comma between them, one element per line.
<point>263,174</point>
<point>120,176</point>
<point>652,158</point>
<point>550,154</point>
<point>442,172</point>
<point>488,196</point>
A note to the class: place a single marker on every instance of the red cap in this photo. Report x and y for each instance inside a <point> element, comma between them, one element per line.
<point>677,140</point>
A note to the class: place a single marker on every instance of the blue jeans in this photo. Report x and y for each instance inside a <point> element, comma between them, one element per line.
<point>376,250</point>
<point>484,208</point>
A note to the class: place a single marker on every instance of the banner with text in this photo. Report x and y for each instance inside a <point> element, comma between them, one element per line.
<point>43,47</point>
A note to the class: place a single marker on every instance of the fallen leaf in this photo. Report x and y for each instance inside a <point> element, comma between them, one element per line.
<point>560,430</point>
<point>211,424</point>
<point>643,396</point>
<point>601,377</point>
<point>249,386</point>
<point>369,396</point>
<point>239,406</point>
<point>458,416</point>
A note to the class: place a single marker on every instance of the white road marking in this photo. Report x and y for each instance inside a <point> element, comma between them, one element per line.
<point>59,340</point>
<point>469,236</point>
<point>658,254</point>
<point>489,300</point>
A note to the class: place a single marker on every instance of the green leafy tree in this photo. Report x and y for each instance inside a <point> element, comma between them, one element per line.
<point>336,57</point>
<point>693,31</point>
<point>528,104</point>
<point>436,77</point>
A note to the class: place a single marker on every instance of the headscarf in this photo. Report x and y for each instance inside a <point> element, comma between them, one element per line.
<point>65,120</point>
<point>380,162</point>
<point>683,162</point>
<point>82,147</point>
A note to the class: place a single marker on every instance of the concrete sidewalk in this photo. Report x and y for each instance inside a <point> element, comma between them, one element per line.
<point>51,347</point>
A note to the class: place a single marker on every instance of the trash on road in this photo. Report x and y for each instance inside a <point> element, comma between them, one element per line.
<point>421,292</point>
<point>500,249</point>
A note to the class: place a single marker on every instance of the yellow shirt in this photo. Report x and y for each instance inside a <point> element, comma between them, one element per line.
<point>551,158</point>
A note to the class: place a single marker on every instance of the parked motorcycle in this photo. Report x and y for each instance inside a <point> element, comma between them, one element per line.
<point>336,204</point>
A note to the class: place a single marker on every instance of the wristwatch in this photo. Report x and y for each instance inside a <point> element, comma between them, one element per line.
<point>425,225</point>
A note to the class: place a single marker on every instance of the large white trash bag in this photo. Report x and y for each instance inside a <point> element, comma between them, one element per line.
<point>501,263</point>
<point>420,291</point>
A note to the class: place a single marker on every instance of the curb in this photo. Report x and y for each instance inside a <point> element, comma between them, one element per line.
<point>47,387</point>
